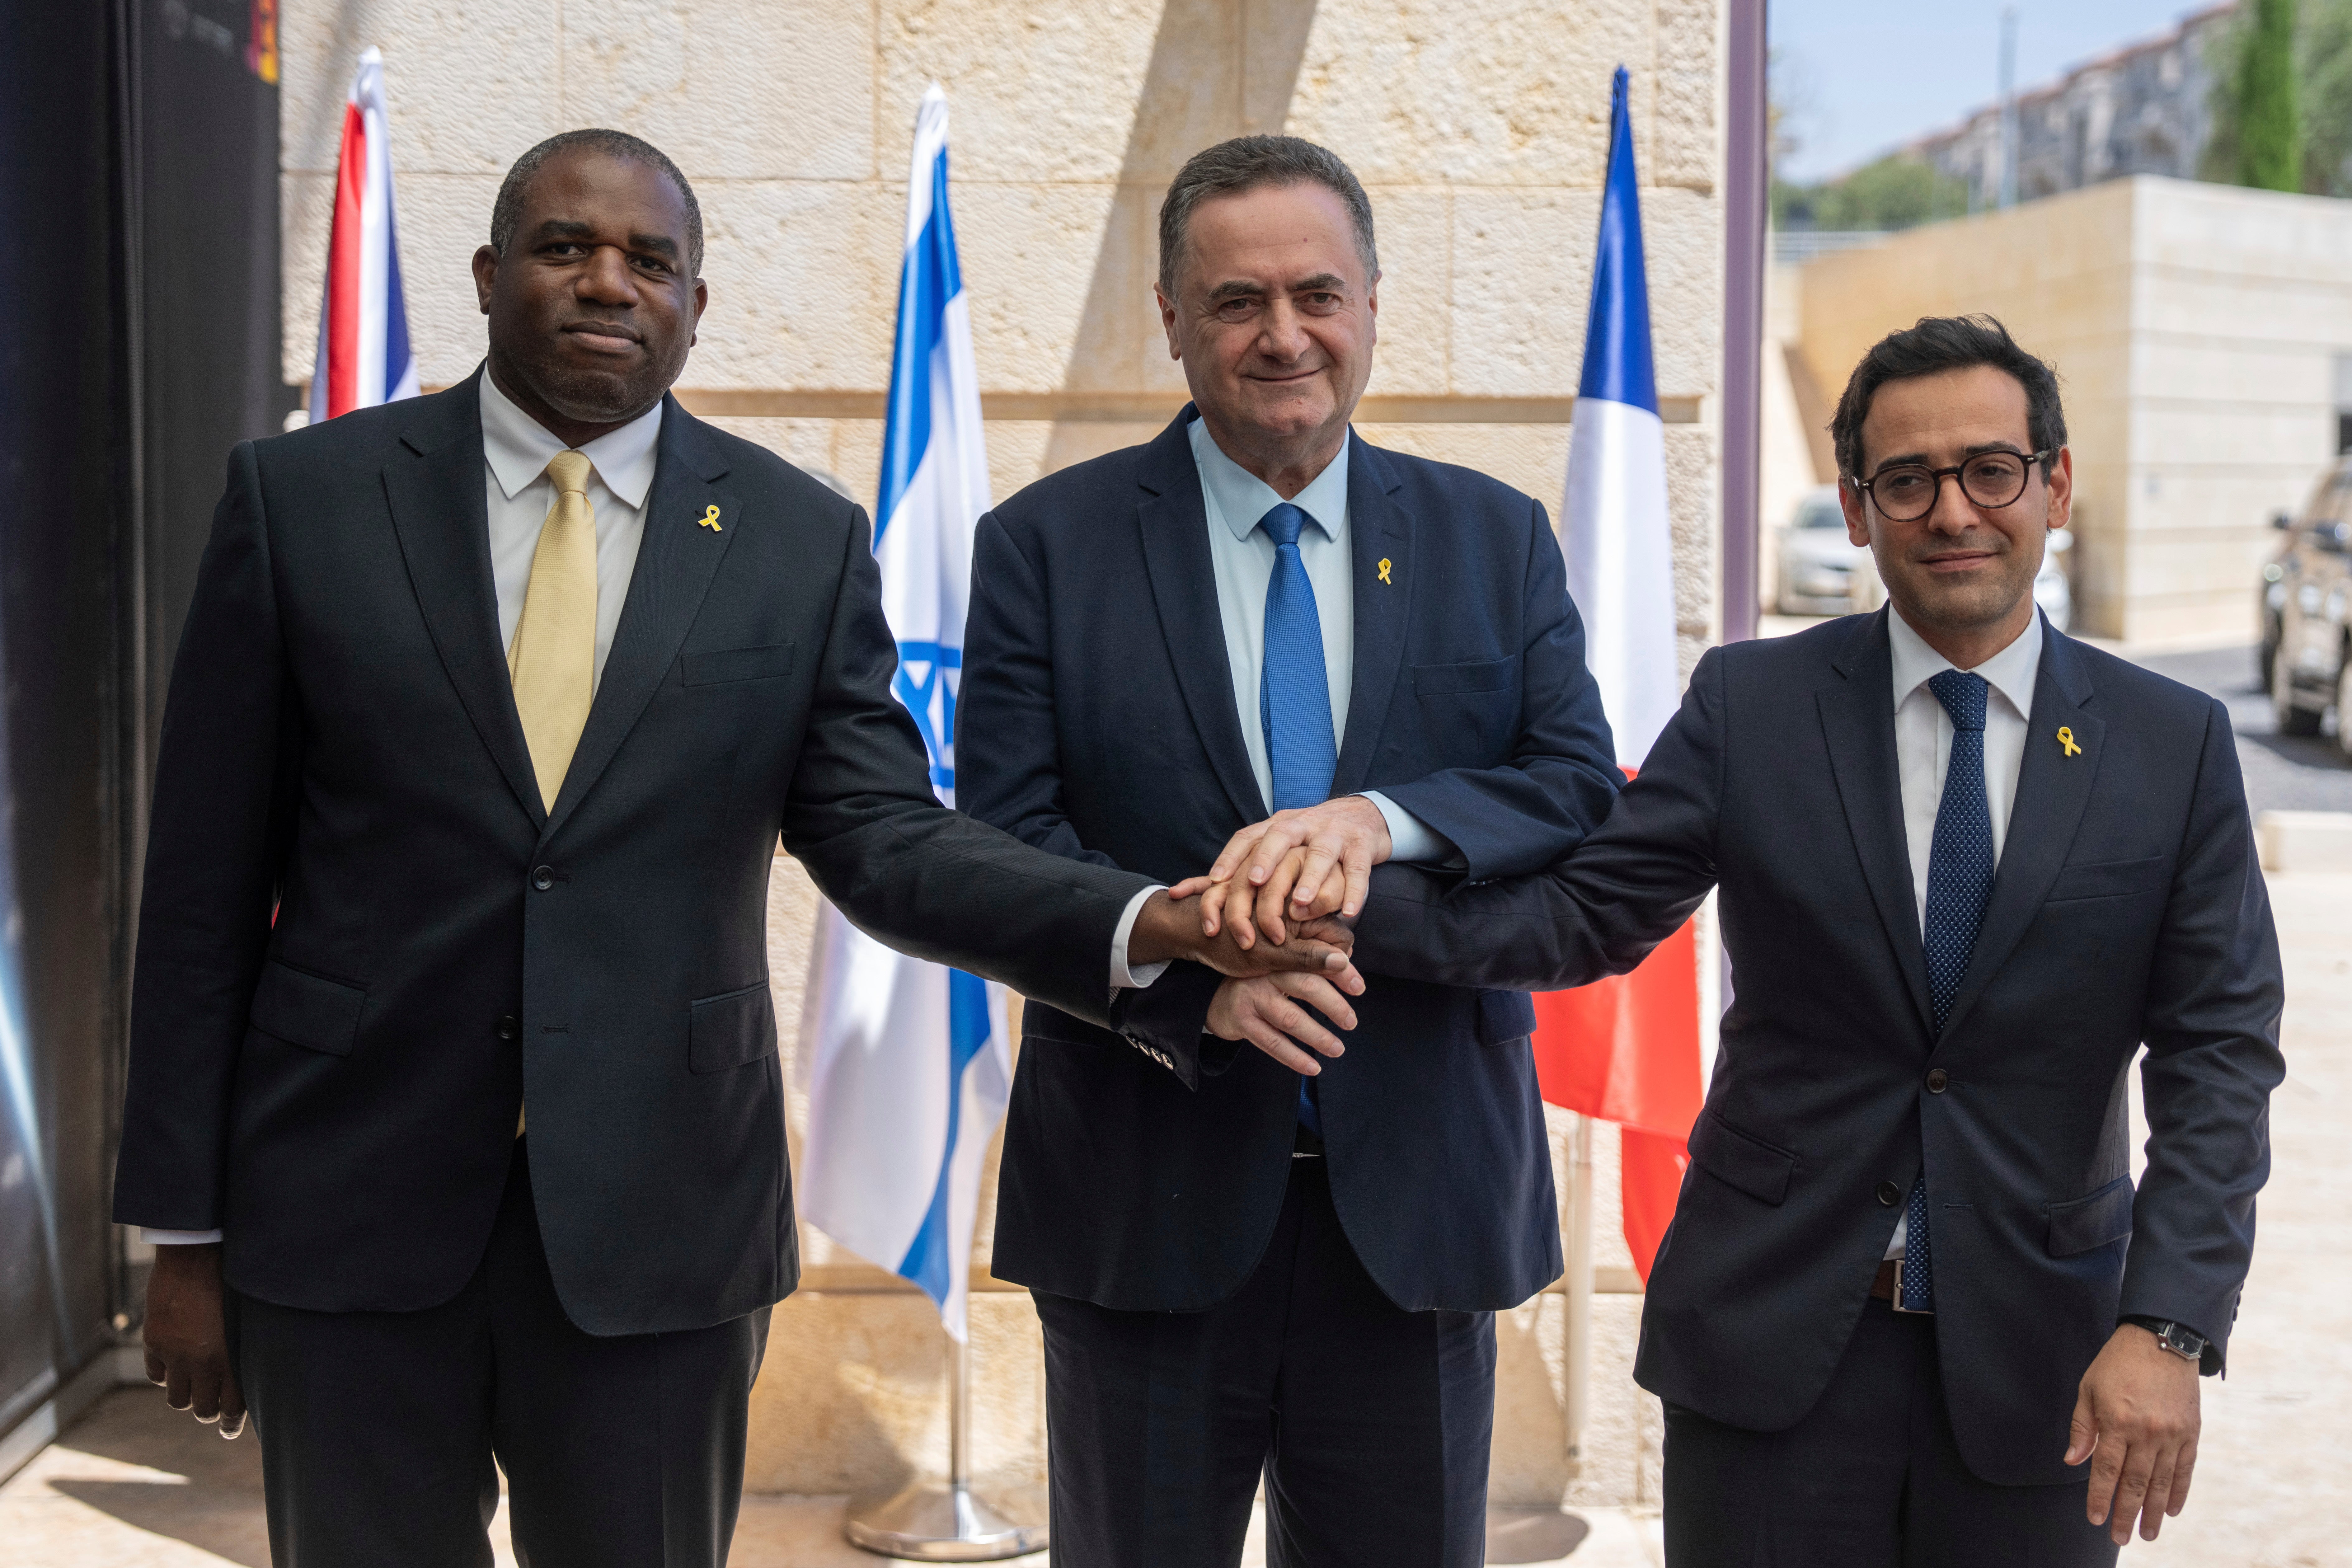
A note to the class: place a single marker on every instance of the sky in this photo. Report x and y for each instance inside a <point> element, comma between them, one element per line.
<point>1861,76</point>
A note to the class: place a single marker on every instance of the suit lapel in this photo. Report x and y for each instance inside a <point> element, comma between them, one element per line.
<point>677,560</point>
<point>1858,721</point>
<point>2053,789</point>
<point>1380,532</point>
<point>440,514</point>
<point>1174,523</point>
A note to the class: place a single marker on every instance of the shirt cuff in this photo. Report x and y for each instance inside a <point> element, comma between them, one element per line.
<point>1122,978</point>
<point>154,1237</point>
<point>1412,842</point>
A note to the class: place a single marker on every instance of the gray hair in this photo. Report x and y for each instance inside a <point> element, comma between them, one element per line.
<point>1249,163</point>
<point>505,213</point>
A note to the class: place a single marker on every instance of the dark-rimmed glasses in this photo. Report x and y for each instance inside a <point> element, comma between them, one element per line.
<point>1906,492</point>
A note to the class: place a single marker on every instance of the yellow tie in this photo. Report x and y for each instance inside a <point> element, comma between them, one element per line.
<point>554,660</point>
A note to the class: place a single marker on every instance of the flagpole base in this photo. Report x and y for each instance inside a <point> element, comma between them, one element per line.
<point>929,1523</point>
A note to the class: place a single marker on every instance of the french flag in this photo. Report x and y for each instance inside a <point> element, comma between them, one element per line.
<point>912,1065</point>
<point>1626,1049</point>
<point>364,354</point>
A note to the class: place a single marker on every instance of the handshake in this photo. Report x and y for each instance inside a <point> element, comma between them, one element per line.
<point>1275,915</point>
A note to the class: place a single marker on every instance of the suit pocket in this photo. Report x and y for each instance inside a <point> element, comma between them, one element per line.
<point>728,1031</point>
<point>2110,879</point>
<point>1505,1016</point>
<point>738,664</point>
<point>1756,1168</point>
<point>2078,1225</point>
<point>306,1010</point>
<point>1461,680</point>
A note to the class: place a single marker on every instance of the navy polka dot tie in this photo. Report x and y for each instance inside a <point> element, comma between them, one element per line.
<point>1959,880</point>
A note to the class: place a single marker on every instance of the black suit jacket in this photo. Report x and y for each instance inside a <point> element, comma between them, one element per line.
<point>338,1090</point>
<point>1096,720</point>
<point>2128,910</point>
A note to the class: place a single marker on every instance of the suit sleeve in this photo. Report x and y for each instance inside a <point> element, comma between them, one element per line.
<point>227,784</point>
<point>862,817</point>
<point>1599,909</point>
<point>1562,777</point>
<point>2215,993</point>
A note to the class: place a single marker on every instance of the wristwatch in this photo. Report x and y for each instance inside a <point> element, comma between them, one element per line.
<point>2186,1343</point>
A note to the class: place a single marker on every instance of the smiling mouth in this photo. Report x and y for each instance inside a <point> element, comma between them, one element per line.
<point>1287,380</point>
<point>603,337</point>
<point>1959,563</point>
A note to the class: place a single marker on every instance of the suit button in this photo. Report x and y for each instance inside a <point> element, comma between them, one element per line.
<point>1939,1081</point>
<point>1889,1194</point>
<point>542,878</point>
<point>509,1028</point>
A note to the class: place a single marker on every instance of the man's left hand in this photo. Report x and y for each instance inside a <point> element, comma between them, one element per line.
<point>2136,1421</point>
<point>1348,834</point>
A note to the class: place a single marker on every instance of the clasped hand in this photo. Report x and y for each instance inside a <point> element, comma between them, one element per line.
<point>1297,875</point>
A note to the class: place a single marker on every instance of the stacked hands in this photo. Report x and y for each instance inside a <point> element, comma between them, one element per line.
<point>1297,877</point>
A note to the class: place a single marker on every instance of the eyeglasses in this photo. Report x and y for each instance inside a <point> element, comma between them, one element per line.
<point>1906,492</point>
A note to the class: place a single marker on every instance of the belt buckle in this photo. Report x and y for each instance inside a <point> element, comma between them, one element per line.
<point>1895,1300</point>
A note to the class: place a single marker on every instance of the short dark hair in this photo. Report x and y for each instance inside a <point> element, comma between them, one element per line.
<point>506,213</point>
<point>1249,163</point>
<point>1939,343</point>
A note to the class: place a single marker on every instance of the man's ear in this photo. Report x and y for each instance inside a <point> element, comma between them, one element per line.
<point>486,276</point>
<point>2062,487</point>
<point>1167,322</point>
<point>1857,524</point>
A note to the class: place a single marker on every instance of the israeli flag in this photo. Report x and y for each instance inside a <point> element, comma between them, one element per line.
<point>911,1066</point>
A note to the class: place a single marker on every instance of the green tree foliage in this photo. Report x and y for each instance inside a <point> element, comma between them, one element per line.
<point>1896,192</point>
<point>2283,99</point>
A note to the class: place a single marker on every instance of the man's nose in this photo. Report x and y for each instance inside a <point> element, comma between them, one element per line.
<point>607,279</point>
<point>1953,511</point>
<point>1283,334</point>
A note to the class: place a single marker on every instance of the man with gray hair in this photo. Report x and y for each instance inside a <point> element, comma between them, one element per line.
<point>1267,1227</point>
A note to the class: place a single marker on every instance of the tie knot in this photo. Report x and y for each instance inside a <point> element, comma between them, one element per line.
<point>1282,523</point>
<point>1962,692</point>
<point>569,470</point>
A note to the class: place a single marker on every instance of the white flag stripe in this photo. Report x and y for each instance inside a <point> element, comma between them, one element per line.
<point>1621,573</point>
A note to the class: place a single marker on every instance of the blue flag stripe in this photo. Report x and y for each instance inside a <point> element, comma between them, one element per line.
<point>928,278</point>
<point>1618,367</point>
<point>926,1261</point>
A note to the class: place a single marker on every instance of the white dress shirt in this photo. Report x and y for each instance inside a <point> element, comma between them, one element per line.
<point>1923,751</point>
<point>516,449</point>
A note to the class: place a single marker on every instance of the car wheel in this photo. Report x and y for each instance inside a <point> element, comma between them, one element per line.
<point>2344,705</point>
<point>2291,720</point>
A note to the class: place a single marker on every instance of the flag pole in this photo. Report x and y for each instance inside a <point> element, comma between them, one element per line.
<point>928,1522</point>
<point>1577,1352</point>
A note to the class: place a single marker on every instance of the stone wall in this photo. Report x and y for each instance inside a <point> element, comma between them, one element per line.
<point>2194,329</point>
<point>1479,128</point>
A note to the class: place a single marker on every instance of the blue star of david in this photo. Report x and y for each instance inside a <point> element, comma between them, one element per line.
<point>928,677</point>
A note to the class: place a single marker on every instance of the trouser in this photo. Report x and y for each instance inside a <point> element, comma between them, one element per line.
<point>378,1430</point>
<point>1370,1425</point>
<point>1870,1478</point>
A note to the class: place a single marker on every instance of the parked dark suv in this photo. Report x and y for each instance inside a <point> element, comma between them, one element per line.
<point>2307,613</point>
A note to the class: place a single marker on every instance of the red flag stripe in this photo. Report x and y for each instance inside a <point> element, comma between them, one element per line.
<point>344,267</point>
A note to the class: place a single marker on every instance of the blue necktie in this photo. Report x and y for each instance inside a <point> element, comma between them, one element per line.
<point>1294,700</point>
<point>1959,880</point>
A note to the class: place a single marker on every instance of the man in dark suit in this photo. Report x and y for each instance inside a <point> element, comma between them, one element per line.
<point>1282,1260</point>
<point>1911,1305</point>
<point>490,712</point>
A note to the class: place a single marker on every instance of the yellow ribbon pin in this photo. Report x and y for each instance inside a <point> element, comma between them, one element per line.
<point>1384,574</point>
<point>710,519</point>
<point>2066,739</point>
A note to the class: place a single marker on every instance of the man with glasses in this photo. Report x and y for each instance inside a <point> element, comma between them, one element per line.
<point>1912,1309</point>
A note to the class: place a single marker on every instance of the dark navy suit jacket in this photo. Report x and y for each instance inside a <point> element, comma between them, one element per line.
<point>1145,1165</point>
<point>334,1081</point>
<point>2128,910</point>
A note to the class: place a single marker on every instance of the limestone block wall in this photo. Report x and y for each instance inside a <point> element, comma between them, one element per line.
<point>2195,327</point>
<point>1479,128</point>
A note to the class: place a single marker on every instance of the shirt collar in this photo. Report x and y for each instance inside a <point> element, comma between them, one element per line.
<point>1242,498</point>
<point>2012,671</point>
<point>518,447</point>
